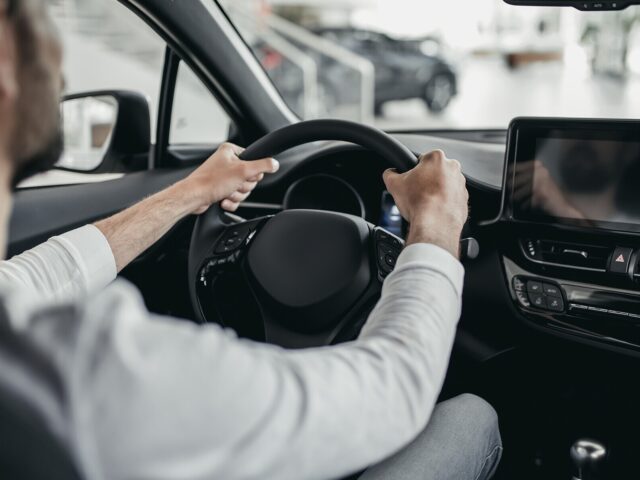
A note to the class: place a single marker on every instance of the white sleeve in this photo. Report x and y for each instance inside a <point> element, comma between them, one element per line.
<point>77,262</point>
<point>159,398</point>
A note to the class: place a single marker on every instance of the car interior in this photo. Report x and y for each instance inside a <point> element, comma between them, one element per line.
<point>551,249</point>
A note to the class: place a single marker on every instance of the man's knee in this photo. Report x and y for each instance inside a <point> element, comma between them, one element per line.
<point>478,416</point>
<point>462,441</point>
<point>482,413</point>
<point>479,421</point>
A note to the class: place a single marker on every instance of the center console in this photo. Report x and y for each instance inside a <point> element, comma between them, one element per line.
<point>570,227</point>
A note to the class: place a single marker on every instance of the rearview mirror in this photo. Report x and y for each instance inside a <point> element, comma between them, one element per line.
<point>586,5</point>
<point>107,131</point>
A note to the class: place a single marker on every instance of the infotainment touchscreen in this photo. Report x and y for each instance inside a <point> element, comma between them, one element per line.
<point>575,172</point>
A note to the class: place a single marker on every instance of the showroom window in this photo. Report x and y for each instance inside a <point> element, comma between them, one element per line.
<point>197,117</point>
<point>408,64</point>
<point>106,47</point>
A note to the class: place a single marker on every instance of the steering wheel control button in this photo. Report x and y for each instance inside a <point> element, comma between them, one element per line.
<point>233,238</point>
<point>390,260</point>
<point>534,287</point>
<point>551,290</point>
<point>382,235</point>
<point>555,304</point>
<point>388,250</point>
<point>522,299</point>
<point>620,260</point>
<point>537,300</point>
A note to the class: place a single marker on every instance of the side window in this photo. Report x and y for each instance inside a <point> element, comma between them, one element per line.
<point>197,117</point>
<point>106,47</point>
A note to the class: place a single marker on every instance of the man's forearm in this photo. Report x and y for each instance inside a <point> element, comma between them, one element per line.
<point>222,178</point>
<point>134,230</point>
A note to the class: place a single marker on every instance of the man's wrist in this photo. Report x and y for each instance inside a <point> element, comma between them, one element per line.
<point>436,233</point>
<point>187,195</point>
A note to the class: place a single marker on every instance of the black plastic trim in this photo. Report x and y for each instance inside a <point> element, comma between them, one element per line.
<point>165,109</point>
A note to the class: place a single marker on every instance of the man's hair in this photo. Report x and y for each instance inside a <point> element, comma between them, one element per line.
<point>18,12</point>
<point>37,142</point>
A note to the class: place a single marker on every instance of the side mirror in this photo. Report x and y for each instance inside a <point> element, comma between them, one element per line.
<point>106,131</point>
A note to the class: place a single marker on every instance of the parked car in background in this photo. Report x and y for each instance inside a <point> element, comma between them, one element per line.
<point>402,69</point>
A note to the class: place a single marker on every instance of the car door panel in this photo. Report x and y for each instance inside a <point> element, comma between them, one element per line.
<point>40,213</point>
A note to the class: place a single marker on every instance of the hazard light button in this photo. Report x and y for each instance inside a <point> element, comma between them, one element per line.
<point>620,260</point>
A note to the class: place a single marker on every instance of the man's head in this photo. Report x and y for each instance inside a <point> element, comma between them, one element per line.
<point>30,88</point>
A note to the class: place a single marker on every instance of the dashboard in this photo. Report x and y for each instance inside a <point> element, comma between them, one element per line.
<point>571,213</point>
<point>554,205</point>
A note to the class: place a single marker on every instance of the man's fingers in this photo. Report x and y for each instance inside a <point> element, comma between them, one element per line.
<point>237,197</point>
<point>247,187</point>
<point>433,156</point>
<point>232,148</point>
<point>257,167</point>
<point>256,179</point>
<point>229,205</point>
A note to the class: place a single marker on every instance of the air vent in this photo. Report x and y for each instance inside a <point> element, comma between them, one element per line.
<point>565,254</point>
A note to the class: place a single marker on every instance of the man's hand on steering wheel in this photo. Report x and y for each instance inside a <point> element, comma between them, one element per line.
<point>433,198</point>
<point>225,178</point>
<point>310,274</point>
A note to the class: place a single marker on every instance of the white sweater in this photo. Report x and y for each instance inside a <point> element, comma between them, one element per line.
<point>148,397</point>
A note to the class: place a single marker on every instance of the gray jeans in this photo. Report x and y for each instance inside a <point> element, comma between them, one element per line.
<point>461,442</point>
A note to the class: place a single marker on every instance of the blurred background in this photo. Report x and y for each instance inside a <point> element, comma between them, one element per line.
<point>398,64</point>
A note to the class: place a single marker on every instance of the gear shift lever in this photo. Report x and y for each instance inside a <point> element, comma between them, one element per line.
<point>588,457</point>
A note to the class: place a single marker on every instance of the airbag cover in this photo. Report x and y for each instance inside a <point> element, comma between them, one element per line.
<point>311,266</point>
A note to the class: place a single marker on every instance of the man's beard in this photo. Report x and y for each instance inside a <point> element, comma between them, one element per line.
<point>41,161</point>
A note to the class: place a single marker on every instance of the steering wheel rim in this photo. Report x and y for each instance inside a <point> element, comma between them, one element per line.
<point>371,138</point>
<point>210,225</point>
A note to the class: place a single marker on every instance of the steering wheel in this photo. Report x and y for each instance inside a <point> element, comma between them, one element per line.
<point>302,277</point>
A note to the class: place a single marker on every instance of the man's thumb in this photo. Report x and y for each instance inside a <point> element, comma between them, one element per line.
<point>265,165</point>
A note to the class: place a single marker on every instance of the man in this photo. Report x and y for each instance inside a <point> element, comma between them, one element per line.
<point>149,397</point>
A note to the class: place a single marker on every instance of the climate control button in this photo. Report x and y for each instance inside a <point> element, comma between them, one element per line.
<point>538,300</point>
<point>551,290</point>
<point>538,293</point>
<point>555,304</point>
<point>534,287</point>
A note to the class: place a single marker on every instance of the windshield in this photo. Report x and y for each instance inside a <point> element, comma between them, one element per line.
<point>409,64</point>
